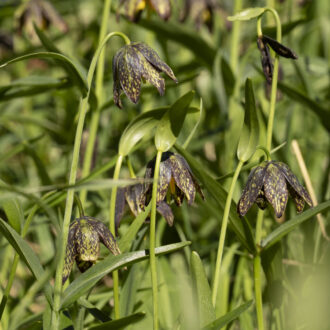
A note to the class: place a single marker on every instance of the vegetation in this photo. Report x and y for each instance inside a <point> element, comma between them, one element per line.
<point>190,138</point>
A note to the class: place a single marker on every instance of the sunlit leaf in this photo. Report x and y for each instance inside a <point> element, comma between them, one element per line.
<point>247,14</point>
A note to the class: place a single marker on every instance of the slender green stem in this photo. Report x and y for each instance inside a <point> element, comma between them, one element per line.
<point>80,207</point>
<point>112,214</point>
<point>153,266</point>
<point>72,180</point>
<point>266,152</point>
<point>223,232</point>
<point>257,273</point>
<point>99,94</point>
<point>130,168</point>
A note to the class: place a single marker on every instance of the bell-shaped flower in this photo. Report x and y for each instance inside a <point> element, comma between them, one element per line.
<point>85,235</point>
<point>176,181</point>
<point>134,8</point>
<point>200,12</point>
<point>272,182</point>
<point>132,63</point>
<point>40,12</point>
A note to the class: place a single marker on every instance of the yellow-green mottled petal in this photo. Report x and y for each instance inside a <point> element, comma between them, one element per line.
<point>133,197</point>
<point>154,59</point>
<point>293,182</point>
<point>182,177</point>
<point>164,180</point>
<point>133,9</point>
<point>129,76</point>
<point>298,200</point>
<point>252,189</point>
<point>275,189</point>
<point>106,237</point>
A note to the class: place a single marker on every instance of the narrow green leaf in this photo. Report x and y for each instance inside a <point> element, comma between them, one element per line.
<point>138,128</point>
<point>14,213</point>
<point>290,225</point>
<point>224,320</point>
<point>314,106</point>
<point>74,69</point>
<point>120,323</point>
<point>250,133</point>
<point>203,291</point>
<point>126,241</point>
<point>240,226</point>
<point>172,121</point>
<point>247,14</point>
<point>26,254</point>
<point>88,279</point>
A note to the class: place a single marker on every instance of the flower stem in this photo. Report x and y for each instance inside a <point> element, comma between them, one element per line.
<point>112,224</point>
<point>83,106</point>
<point>153,266</point>
<point>257,273</point>
<point>95,118</point>
<point>223,232</point>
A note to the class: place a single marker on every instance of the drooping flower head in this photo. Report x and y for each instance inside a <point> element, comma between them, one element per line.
<point>176,181</point>
<point>200,11</point>
<point>134,62</point>
<point>40,12</point>
<point>83,246</point>
<point>134,8</point>
<point>272,182</point>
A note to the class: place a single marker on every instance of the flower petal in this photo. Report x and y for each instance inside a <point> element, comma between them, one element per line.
<point>164,209</point>
<point>129,74</point>
<point>105,236</point>
<point>294,183</point>
<point>251,189</point>
<point>133,9</point>
<point>133,197</point>
<point>151,74</point>
<point>182,177</point>
<point>120,206</point>
<point>278,48</point>
<point>275,189</point>
<point>70,253</point>
<point>154,59</point>
<point>266,61</point>
<point>164,180</point>
<point>298,200</point>
<point>162,7</point>
<point>87,240</point>
<point>116,82</point>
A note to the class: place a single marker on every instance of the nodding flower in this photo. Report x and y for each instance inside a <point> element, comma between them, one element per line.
<point>272,182</point>
<point>85,235</point>
<point>132,63</point>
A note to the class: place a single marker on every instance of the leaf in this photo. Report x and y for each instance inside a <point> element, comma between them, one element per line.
<point>138,128</point>
<point>171,123</point>
<point>120,323</point>
<point>316,107</point>
<point>68,65</point>
<point>232,315</point>
<point>88,279</point>
<point>14,213</point>
<point>26,254</point>
<point>184,36</point>
<point>203,291</point>
<point>250,133</point>
<point>240,226</point>
<point>290,225</point>
<point>247,14</point>
<point>126,241</point>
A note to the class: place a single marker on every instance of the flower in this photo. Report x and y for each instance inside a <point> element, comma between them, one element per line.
<point>174,173</point>
<point>200,11</point>
<point>133,8</point>
<point>132,63</point>
<point>84,239</point>
<point>134,196</point>
<point>40,12</point>
<point>272,182</point>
